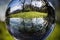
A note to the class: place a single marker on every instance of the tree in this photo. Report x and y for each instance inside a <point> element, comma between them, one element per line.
<point>23,1</point>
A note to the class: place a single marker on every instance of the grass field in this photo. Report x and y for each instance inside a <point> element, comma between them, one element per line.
<point>55,35</point>
<point>4,35</point>
<point>28,15</point>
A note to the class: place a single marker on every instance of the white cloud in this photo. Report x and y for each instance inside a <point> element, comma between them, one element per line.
<point>37,3</point>
<point>40,20</point>
<point>18,7</point>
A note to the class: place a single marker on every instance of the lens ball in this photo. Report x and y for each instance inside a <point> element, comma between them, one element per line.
<point>30,19</point>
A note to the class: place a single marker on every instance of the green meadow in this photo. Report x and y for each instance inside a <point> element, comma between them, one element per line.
<point>55,35</point>
<point>4,35</point>
<point>30,14</point>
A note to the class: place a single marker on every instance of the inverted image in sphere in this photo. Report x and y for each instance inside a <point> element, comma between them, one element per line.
<point>30,19</point>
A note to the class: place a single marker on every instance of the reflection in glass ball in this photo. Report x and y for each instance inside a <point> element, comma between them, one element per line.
<point>30,19</point>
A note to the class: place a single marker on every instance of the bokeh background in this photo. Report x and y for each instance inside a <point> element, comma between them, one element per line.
<point>4,35</point>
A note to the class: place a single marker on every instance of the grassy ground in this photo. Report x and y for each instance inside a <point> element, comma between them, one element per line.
<point>29,15</point>
<point>4,35</point>
<point>55,35</point>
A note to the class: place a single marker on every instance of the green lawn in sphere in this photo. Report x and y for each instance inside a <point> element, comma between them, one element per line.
<point>31,14</point>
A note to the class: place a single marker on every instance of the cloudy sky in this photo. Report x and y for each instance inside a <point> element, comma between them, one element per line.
<point>3,6</point>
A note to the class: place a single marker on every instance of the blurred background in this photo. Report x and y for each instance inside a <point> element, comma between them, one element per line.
<point>4,35</point>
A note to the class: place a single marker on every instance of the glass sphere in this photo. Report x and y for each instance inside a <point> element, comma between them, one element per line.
<point>30,19</point>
